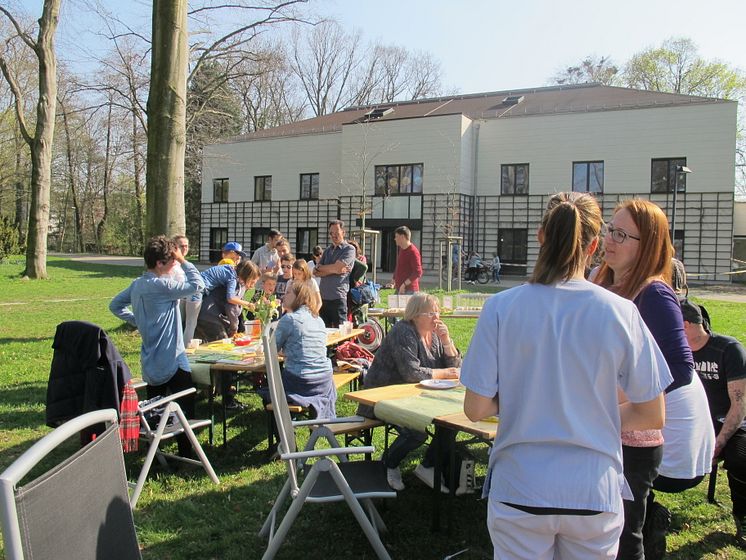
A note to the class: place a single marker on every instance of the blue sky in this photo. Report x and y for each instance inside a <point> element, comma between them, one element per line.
<point>492,45</point>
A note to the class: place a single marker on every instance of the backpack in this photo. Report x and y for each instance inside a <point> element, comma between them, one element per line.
<point>365,293</point>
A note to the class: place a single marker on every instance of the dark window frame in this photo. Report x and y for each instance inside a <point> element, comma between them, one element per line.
<point>260,182</point>
<point>218,238</point>
<point>507,250</point>
<point>313,240</point>
<point>510,189</point>
<point>310,195</point>
<point>670,179</point>
<point>392,171</point>
<point>259,232</point>
<point>588,165</point>
<point>220,188</point>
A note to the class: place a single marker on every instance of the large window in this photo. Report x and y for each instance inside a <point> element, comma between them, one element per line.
<point>259,236</point>
<point>512,245</point>
<point>588,176</point>
<point>218,238</point>
<point>514,178</point>
<point>220,190</point>
<point>663,175</point>
<point>263,188</point>
<point>309,186</point>
<point>399,179</point>
<point>305,240</point>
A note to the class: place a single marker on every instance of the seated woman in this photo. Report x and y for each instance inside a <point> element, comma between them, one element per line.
<point>417,347</point>
<point>301,335</point>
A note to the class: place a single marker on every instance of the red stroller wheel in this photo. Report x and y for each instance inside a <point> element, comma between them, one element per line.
<point>372,337</point>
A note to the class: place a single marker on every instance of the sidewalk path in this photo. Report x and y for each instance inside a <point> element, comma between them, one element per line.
<point>723,292</point>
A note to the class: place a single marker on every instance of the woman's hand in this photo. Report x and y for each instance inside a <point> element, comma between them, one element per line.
<point>446,373</point>
<point>441,330</point>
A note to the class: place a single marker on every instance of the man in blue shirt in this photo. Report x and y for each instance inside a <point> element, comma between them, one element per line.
<point>334,270</point>
<point>151,303</point>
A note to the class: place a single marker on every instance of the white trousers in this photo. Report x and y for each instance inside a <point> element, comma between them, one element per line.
<point>523,536</point>
<point>191,312</point>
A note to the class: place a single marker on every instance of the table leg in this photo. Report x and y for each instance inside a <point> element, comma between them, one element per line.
<point>437,443</point>
<point>444,442</point>
<point>211,405</point>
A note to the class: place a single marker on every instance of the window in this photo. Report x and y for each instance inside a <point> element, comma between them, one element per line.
<point>259,237</point>
<point>309,186</point>
<point>263,188</point>
<point>663,175</point>
<point>220,190</point>
<point>678,243</point>
<point>588,176</point>
<point>512,245</point>
<point>305,240</point>
<point>514,178</point>
<point>218,238</point>
<point>398,179</point>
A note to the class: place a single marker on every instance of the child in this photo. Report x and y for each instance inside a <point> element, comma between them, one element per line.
<point>269,283</point>
<point>286,267</point>
<point>495,268</point>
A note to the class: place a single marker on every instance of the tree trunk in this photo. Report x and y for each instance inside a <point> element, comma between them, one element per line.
<point>21,218</point>
<point>78,246</point>
<point>101,227</point>
<point>167,119</point>
<point>138,185</point>
<point>41,146</point>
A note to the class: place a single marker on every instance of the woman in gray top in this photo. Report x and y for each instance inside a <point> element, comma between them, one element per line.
<point>417,347</point>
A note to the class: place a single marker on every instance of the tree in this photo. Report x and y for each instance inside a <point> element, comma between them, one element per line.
<point>677,67</point>
<point>40,142</point>
<point>591,69</point>
<point>167,119</point>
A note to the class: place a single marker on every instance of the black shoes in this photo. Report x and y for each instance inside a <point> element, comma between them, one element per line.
<point>740,528</point>
<point>234,404</point>
<point>657,522</point>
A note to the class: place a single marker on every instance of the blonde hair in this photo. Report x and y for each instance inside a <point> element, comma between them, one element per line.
<point>269,277</point>
<point>570,224</point>
<point>654,253</point>
<point>306,294</point>
<point>420,303</point>
<point>302,265</point>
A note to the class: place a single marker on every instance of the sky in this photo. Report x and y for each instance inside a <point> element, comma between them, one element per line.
<point>496,45</point>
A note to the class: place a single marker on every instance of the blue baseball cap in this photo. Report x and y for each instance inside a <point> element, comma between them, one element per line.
<point>234,246</point>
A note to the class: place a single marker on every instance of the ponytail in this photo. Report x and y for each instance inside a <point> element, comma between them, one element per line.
<point>569,226</point>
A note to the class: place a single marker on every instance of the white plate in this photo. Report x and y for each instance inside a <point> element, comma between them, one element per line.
<point>439,383</point>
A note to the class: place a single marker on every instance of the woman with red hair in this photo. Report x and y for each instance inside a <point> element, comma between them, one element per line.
<point>637,266</point>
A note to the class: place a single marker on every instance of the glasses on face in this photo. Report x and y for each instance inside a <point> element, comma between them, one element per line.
<point>430,314</point>
<point>618,235</point>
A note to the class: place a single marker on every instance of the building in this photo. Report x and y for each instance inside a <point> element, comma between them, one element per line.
<point>481,166</point>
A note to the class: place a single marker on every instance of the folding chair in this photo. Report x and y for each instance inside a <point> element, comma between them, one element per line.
<point>77,509</point>
<point>166,431</point>
<point>325,480</point>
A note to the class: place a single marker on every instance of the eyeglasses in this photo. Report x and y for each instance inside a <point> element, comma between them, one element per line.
<point>618,235</point>
<point>430,314</point>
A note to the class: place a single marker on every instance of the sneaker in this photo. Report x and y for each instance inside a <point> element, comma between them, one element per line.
<point>234,404</point>
<point>393,476</point>
<point>740,530</point>
<point>654,533</point>
<point>427,475</point>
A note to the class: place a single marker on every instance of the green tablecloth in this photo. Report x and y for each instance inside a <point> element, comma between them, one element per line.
<point>417,412</point>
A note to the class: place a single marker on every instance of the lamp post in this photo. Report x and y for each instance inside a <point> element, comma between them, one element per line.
<point>681,170</point>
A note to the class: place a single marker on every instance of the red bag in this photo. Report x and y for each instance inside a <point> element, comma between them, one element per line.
<point>352,352</point>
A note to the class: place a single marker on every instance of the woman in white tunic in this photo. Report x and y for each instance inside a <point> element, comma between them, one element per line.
<point>549,356</point>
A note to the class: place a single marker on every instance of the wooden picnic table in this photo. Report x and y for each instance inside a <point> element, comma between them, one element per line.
<point>454,422</point>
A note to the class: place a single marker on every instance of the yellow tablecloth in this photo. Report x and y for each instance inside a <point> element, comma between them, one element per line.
<point>417,412</point>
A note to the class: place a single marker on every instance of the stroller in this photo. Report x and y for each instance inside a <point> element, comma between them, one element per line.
<point>362,294</point>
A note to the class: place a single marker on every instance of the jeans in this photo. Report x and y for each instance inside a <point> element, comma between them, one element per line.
<point>333,312</point>
<point>180,381</point>
<point>640,469</point>
<point>407,441</point>
<point>734,454</point>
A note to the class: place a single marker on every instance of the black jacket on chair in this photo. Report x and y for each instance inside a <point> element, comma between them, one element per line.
<point>87,372</point>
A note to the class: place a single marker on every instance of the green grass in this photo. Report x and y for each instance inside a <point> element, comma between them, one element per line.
<point>184,515</point>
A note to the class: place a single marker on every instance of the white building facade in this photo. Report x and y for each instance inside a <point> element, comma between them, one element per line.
<point>481,167</point>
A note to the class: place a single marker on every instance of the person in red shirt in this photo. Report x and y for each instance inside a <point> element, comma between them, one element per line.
<point>408,269</point>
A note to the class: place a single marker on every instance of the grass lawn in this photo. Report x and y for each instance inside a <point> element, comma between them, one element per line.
<point>184,515</point>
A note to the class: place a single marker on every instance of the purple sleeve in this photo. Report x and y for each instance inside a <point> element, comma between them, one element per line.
<point>661,312</point>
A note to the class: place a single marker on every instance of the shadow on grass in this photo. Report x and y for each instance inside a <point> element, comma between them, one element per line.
<point>26,340</point>
<point>713,543</point>
<point>99,270</point>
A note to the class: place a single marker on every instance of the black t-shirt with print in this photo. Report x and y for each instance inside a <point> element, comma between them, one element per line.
<point>722,359</point>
